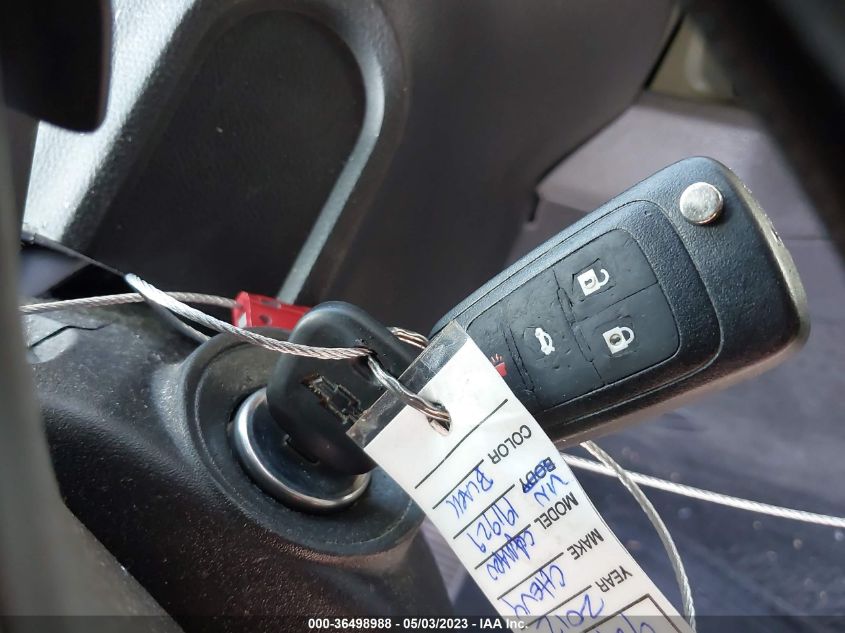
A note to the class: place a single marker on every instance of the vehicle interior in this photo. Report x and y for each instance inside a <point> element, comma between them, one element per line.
<point>398,155</point>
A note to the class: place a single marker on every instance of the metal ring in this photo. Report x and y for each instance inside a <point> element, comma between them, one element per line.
<point>264,454</point>
<point>437,415</point>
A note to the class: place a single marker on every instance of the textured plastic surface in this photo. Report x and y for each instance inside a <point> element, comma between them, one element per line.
<point>726,303</point>
<point>318,143</point>
<point>50,564</point>
<point>138,432</point>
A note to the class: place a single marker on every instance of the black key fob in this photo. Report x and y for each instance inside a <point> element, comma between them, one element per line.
<point>679,285</point>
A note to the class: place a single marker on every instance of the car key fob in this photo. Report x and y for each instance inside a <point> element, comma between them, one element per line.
<point>677,286</point>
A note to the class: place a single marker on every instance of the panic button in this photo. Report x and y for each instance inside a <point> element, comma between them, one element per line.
<point>488,332</point>
<point>631,335</point>
<point>550,356</point>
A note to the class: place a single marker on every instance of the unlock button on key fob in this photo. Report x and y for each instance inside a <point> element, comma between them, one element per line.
<point>546,345</point>
<point>608,269</point>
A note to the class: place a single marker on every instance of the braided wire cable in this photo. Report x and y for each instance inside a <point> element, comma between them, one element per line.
<point>174,321</point>
<point>155,297</point>
<point>410,337</point>
<point>662,531</point>
<point>253,338</point>
<point>710,496</point>
<point>124,298</point>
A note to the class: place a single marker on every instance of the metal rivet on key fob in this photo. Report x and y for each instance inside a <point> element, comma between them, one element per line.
<point>701,203</point>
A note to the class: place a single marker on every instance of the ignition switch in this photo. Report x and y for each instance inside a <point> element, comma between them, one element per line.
<point>291,437</point>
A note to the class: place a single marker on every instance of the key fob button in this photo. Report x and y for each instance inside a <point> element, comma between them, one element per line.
<point>608,269</point>
<point>489,334</point>
<point>546,345</point>
<point>631,335</point>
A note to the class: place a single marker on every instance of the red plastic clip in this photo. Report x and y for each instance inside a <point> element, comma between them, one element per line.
<point>257,310</point>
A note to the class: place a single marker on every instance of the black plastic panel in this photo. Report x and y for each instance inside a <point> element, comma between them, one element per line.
<point>501,91</point>
<point>315,144</point>
<point>137,426</point>
<point>239,171</point>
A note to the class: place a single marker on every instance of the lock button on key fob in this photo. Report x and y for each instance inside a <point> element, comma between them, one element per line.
<point>631,335</point>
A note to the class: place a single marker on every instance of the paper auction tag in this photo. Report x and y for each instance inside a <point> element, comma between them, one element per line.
<point>501,495</point>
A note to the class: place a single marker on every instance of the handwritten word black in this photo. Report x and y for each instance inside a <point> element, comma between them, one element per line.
<point>466,494</point>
